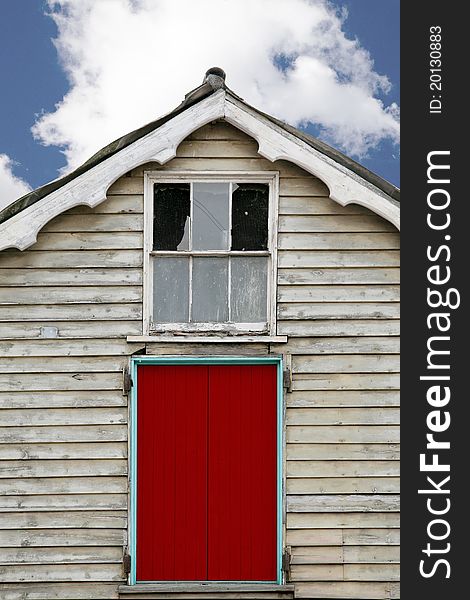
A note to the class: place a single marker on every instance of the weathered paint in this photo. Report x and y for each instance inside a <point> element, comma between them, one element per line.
<point>62,412</point>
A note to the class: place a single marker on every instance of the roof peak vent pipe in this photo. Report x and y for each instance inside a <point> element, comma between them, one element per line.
<point>215,77</point>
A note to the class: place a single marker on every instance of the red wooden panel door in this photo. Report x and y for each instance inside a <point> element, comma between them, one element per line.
<point>242,473</point>
<point>172,473</point>
<point>206,473</point>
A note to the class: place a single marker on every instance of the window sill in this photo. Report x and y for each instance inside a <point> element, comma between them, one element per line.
<point>194,339</point>
<point>184,590</point>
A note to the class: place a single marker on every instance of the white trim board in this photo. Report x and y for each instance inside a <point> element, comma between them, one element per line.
<point>89,188</point>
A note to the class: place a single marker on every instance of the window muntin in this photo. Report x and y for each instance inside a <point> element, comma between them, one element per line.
<point>216,273</point>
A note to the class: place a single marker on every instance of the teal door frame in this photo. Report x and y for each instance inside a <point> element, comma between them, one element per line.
<point>137,361</point>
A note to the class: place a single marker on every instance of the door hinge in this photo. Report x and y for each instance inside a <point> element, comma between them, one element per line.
<point>126,561</point>
<point>126,381</point>
<point>286,558</point>
<point>287,379</point>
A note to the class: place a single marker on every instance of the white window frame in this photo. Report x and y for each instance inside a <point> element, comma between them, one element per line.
<point>271,178</point>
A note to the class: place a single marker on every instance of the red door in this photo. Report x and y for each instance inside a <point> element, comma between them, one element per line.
<point>207,473</point>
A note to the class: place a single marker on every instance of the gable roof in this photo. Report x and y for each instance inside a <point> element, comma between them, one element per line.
<point>212,87</point>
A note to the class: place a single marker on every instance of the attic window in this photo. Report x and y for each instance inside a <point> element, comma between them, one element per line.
<point>210,259</point>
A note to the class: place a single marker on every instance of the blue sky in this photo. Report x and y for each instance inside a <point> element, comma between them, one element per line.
<point>37,76</point>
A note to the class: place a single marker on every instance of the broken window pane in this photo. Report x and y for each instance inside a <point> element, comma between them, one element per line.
<point>210,216</point>
<point>170,289</point>
<point>210,290</point>
<point>250,216</point>
<point>249,288</point>
<point>171,216</point>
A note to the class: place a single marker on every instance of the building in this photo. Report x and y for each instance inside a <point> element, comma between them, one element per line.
<point>200,368</point>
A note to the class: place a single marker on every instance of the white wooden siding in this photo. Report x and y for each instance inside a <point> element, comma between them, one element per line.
<point>63,442</point>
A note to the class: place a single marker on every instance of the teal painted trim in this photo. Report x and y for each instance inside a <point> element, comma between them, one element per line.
<point>280,461</point>
<point>209,360</point>
<point>133,473</point>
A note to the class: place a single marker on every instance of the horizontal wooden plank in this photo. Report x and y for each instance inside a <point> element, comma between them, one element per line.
<point>314,537</point>
<point>327,258</point>
<point>353,275</point>
<point>72,295</point>
<point>344,434</point>
<point>101,501</point>
<point>228,163</point>
<point>372,572</point>
<point>61,347</point>
<point>62,399</point>
<point>341,345</point>
<point>352,503</point>
<point>57,555</point>
<point>73,312</point>
<point>347,554</point>
<point>55,572</point>
<point>346,363</point>
<point>336,293</point>
<point>50,259</point>
<point>64,485</point>
<point>59,591</point>
<point>120,204</point>
<point>67,277</point>
<point>331,223</point>
<point>322,468</point>
<point>338,241</point>
<point>340,398</point>
<point>28,452</point>
<point>127,185</point>
<point>338,327</point>
<point>348,520</point>
<point>124,240</point>
<point>339,310</point>
<point>311,205</point>
<point>312,555</point>
<point>349,381</point>
<point>65,537</point>
<point>343,416</point>
<point>326,293</point>
<point>72,223</point>
<point>316,573</point>
<point>56,364</point>
<point>371,554</point>
<point>66,329</point>
<point>60,381</point>
<point>302,186</point>
<point>328,452</point>
<point>218,130</point>
<point>71,433</point>
<point>348,591</point>
<point>208,349</point>
<point>30,417</point>
<point>347,537</point>
<point>63,468</point>
<point>247,148</point>
<point>370,537</point>
<point>103,519</point>
<point>336,573</point>
<point>343,485</point>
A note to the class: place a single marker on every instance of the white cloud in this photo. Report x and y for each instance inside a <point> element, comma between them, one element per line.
<point>11,187</point>
<point>130,61</point>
